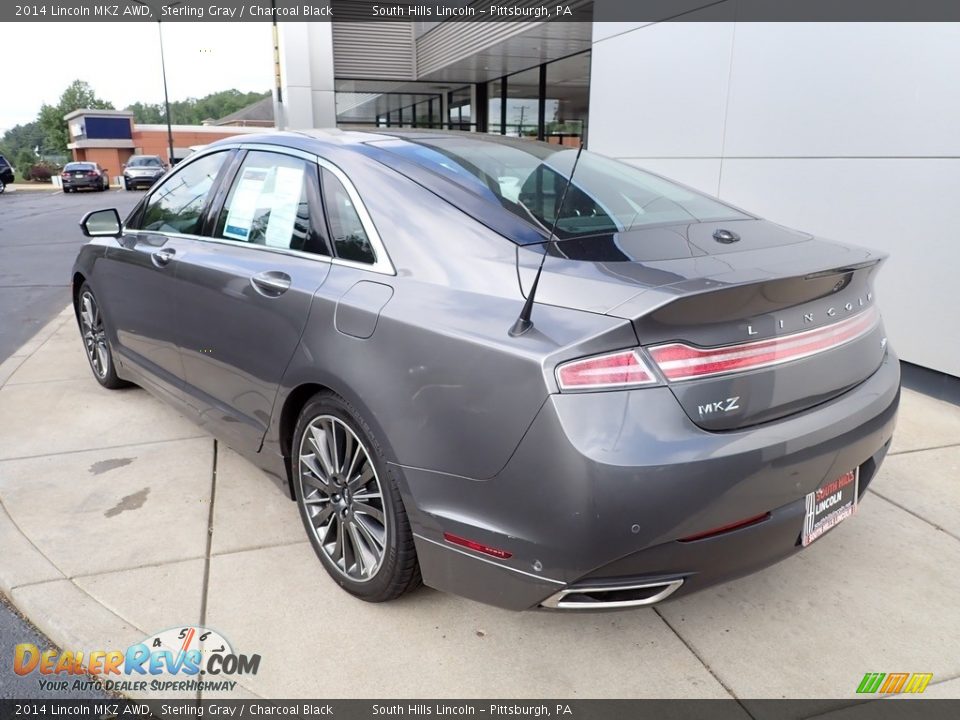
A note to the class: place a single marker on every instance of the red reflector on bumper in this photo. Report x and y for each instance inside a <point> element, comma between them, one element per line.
<point>727,528</point>
<point>479,547</point>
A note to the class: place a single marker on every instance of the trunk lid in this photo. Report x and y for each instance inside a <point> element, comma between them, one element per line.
<point>777,320</point>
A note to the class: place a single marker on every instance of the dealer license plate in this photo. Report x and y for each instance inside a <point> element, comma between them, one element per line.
<point>830,504</point>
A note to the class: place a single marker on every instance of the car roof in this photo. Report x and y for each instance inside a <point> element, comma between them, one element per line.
<point>335,143</point>
<point>315,139</point>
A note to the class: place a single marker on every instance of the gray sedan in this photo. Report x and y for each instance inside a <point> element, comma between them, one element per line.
<point>470,370</point>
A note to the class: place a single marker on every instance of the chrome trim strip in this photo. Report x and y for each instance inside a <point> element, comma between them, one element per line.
<point>445,546</point>
<point>383,265</point>
<point>871,315</point>
<point>556,601</point>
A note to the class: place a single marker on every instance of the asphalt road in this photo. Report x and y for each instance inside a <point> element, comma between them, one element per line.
<point>39,238</point>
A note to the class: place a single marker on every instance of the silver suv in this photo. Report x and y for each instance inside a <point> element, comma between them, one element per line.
<point>143,171</point>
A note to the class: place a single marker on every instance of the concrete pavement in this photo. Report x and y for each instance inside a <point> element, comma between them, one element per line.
<point>36,257</point>
<point>119,519</point>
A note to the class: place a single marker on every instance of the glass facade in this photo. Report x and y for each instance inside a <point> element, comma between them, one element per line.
<point>460,109</point>
<point>523,103</point>
<point>568,105</point>
<point>370,103</point>
<point>547,102</point>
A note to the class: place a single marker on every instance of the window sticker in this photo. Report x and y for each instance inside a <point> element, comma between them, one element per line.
<point>287,187</point>
<point>244,203</point>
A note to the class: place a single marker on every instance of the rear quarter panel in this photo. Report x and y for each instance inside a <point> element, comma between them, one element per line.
<point>440,380</point>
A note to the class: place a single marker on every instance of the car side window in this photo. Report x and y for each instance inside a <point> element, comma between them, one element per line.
<point>349,238</point>
<point>176,206</point>
<point>269,204</point>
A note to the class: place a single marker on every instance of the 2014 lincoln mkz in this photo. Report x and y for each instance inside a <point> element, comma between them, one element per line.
<point>469,369</point>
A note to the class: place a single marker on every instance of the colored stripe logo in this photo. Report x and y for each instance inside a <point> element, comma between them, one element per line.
<point>894,683</point>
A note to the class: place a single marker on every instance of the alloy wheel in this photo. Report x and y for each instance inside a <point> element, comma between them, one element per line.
<point>341,494</point>
<point>94,335</point>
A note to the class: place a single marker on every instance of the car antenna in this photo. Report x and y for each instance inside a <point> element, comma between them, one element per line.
<point>524,322</point>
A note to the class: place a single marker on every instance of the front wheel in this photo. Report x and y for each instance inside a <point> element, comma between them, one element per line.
<point>350,504</point>
<point>95,341</point>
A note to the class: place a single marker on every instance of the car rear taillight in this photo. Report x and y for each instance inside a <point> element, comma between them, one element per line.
<point>92,173</point>
<point>616,370</point>
<point>679,361</point>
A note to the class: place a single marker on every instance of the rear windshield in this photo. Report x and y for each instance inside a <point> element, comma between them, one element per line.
<point>144,162</point>
<point>528,178</point>
<point>78,166</point>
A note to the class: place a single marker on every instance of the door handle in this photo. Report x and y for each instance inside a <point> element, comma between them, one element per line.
<point>271,283</point>
<point>162,258</point>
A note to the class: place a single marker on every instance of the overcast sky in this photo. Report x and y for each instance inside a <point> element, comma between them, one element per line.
<point>41,59</point>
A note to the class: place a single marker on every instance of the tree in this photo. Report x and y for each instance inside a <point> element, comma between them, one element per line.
<point>23,161</point>
<point>147,113</point>
<point>21,137</point>
<point>194,111</point>
<point>78,96</point>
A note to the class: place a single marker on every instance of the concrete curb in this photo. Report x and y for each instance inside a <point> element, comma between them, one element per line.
<point>31,582</point>
<point>25,564</point>
<point>9,366</point>
<point>23,187</point>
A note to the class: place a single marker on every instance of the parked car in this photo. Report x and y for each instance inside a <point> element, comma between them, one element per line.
<point>78,175</point>
<point>529,391</point>
<point>6,174</point>
<point>143,171</point>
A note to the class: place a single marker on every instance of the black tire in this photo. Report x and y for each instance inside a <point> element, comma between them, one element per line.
<point>96,343</point>
<point>3,186</point>
<point>397,571</point>
<point>66,190</point>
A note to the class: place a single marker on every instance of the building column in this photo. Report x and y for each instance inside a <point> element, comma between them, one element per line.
<point>306,71</point>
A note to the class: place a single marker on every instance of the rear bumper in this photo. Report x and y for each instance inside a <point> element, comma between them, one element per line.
<point>83,183</point>
<point>141,181</point>
<point>603,485</point>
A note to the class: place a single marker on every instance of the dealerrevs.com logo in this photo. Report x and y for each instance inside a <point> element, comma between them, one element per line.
<point>180,659</point>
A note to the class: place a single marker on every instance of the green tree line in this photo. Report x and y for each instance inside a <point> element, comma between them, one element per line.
<point>48,133</point>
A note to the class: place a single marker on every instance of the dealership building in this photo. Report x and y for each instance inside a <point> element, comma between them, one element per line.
<point>111,137</point>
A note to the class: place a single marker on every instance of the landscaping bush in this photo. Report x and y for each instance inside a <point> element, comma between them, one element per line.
<point>41,172</point>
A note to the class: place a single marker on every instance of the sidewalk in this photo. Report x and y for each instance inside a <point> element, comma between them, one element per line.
<point>121,519</point>
<point>29,187</point>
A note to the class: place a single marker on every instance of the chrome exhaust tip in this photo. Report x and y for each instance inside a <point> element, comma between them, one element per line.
<point>608,597</point>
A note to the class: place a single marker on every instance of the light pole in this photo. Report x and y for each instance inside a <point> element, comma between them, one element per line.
<point>163,70</point>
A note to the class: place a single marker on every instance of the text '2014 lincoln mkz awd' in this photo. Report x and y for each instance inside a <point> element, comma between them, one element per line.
<point>471,370</point>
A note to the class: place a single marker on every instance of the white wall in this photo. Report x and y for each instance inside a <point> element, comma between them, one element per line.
<point>306,75</point>
<point>850,131</point>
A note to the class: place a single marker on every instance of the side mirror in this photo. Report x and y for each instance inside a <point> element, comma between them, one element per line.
<point>101,223</point>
